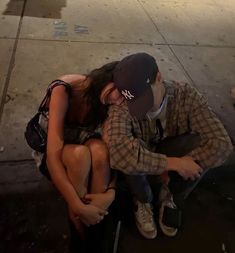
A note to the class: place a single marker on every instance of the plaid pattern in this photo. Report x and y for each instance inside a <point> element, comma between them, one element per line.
<point>187,111</point>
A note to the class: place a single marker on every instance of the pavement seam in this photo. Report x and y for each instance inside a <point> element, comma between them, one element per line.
<point>200,45</point>
<point>17,161</point>
<point>182,66</point>
<point>122,43</point>
<point>23,182</point>
<point>166,43</point>
<point>149,16</point>
<point>12,62</point>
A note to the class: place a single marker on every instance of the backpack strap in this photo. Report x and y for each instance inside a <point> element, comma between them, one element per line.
<point>52,85</point>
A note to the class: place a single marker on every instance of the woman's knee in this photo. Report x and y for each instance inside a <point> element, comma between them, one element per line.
<point>75,153</point>
<point>98,149</point>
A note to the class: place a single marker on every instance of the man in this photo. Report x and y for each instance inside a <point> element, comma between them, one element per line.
<point>154,111</point>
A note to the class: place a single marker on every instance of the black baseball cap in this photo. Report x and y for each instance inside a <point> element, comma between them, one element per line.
<point>133,77</point>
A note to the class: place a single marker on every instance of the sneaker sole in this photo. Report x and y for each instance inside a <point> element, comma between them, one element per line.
<point>147,235</point>
<point>165,228</point>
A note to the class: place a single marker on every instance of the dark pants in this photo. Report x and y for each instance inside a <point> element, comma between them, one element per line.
<point>177,146</point>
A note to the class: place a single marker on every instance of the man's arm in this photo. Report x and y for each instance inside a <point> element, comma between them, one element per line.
<point>127,153</point>
<point>215,145</point>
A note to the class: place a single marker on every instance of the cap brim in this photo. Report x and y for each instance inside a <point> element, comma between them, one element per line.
<point>141,105</point>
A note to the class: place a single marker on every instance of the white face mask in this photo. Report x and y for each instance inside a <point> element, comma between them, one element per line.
<point>159,91</point>
<point>154,114</point>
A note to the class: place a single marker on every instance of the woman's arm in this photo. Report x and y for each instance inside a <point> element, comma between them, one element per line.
<point>57,111</point>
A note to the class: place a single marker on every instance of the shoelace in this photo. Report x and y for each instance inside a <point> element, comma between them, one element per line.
<point>167,197</point>
<point>165,194</point>
<point>145,212</point>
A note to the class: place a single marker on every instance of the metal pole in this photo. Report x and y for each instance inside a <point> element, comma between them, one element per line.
<point>115,247</point>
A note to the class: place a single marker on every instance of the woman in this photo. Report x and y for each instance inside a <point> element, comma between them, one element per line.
<point>77,160</point>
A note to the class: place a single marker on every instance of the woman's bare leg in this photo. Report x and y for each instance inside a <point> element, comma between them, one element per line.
<point>100,172</point>
<point>77,160</point>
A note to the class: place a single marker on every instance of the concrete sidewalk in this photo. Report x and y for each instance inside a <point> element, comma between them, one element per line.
<point>41,40</point>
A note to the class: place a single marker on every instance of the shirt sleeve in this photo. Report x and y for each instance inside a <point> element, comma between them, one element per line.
<point>215,145</point>
<point>128,153</point>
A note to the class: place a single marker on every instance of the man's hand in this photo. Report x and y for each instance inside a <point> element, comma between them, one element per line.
<point>185,167</point>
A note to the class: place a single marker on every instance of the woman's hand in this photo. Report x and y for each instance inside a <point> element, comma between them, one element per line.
<point>89,214</point>
<point>185,167</point>
<point>101,200</point>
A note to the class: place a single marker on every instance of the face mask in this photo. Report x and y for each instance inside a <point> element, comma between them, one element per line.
<point>158,90</point>
<point>155,114</point>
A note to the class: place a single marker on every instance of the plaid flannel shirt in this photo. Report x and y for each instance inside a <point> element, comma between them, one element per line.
<point>128,139</point>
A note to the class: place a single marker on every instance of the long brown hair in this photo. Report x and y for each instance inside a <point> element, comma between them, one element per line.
<point>99,78</point>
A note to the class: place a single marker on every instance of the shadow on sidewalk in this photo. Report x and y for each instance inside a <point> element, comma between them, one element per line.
<point>36,221</point>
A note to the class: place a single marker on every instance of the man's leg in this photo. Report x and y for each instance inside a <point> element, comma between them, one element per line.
<point>181,188</point>
<point>169,214</point>
<point>179,146</point>
<point>139,188</point>
<point>142,195</point>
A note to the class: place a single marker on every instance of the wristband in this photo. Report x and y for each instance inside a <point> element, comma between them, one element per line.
<point>110,187</point>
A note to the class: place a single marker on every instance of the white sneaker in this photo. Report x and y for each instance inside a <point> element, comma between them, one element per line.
<point>144,220</point>
<point>166,199</point>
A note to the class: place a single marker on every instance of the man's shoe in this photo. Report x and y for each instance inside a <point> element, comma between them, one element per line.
<point>144,220</point>
<point>167,208</point>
